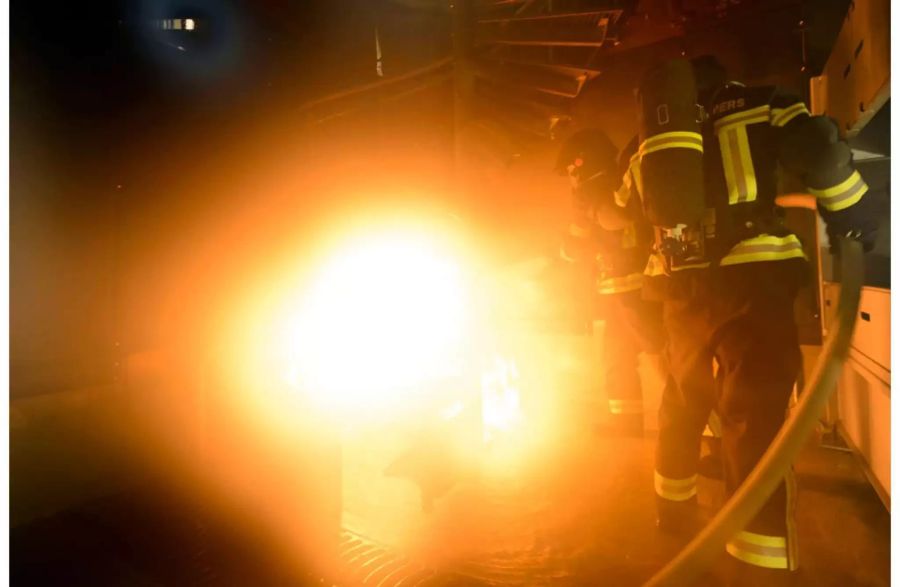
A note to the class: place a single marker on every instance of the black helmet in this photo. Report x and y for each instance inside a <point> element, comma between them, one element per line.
<point>588,152</point>
<point>709,73</point>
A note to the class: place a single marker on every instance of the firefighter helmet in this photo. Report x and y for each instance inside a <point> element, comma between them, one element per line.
<point>586,153</point>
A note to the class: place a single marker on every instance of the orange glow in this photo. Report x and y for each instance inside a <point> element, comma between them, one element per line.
<point>384,317</point>
<point>501,407</point>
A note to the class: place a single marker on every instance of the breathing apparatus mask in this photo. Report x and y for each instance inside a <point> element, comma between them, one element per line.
<point>588,158</point>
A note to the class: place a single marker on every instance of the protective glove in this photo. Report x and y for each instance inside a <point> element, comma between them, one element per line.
<point>859,222</point>
<point>867,236</point>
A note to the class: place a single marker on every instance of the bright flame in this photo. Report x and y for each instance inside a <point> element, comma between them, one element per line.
<point>500,400</point>
<point>384,318</point>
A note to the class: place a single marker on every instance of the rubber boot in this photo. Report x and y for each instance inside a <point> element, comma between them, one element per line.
<point>621,426</point>
<point>711,465</point>
<point>741,574</point>
<point>678,518</point>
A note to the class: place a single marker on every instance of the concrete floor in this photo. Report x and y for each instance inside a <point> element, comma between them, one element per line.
<point>560,508</point>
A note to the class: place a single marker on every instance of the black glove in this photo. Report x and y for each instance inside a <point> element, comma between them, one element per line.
<point>859,222</point>
<point>866,236</point>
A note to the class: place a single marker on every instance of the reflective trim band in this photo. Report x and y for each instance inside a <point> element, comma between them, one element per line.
<point>672,140</point>
<point>738,164</point>
<point>844,194</point>
<point>623,194</point>
<point>752,116</point>
<point>714,424</point>
<point>765,248</point>
<point>634,159</point>
<point>630,282</point>
<point>782,116</point>
<point>635,168</point>
<point>702,265</point>
<point>578,231</point>
<point>655,266</point>
<point>759,550</point>
<point>675,489</point>
<point>625,406</point>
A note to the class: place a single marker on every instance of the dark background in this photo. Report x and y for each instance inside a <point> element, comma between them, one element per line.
<point>147,180</point>
<point>130,157</point>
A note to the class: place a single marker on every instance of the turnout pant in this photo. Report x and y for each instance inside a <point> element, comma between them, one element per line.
<point>741,315</point>
<point>633,325</point>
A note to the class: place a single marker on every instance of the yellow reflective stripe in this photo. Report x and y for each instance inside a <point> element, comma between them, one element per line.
<point>635,168</point>
<point>630,282</point>
<point>757,560</point>
<point>674,145</point>
<point>578,231</point>
<point>755,539</point>
<point>759,550</point>
<point>746,165</point>
<point>623,194</point>
<point>738,163</point>
<point>839,188</point>
<point>782,116</point>
<point>765,248</point>
<point>842,195</point>
<point>737,160</point>
<point>675,489</point>
<point>665,137</point>
<point>728,159</point>
<point>745,117</point>
<point>655,266</point>
<point>672,140</point>
<point>702,265</point>
<point>714,423</point>
<point>625,406</point>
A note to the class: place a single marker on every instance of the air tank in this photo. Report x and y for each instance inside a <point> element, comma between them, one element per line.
<point>671,145</point>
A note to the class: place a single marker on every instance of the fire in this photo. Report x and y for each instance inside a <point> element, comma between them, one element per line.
<point>384,319</point>
<point>501,409</point>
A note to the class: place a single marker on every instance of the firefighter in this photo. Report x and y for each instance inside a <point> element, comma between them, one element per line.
<point>615,259</point>
<point>728,270</point>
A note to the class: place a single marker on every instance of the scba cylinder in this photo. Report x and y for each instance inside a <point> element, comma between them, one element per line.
<point>671,145</point>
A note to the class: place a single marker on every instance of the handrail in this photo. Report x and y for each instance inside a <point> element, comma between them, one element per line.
<point>805,201</point>
<point>377,84</point>
<point>772,467</point>
<point>614,12</point>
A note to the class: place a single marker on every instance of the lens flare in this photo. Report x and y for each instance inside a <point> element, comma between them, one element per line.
<point>500,400</point>
<point>382,320</point>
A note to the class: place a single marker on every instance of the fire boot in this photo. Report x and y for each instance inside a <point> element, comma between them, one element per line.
<point>621,426</point>
<point>741,574</point>
<point>710,465</point>
<point>678,518</point>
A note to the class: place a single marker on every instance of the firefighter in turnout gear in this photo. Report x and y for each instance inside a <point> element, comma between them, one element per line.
<point>616,260</point>
<point>727,271</point>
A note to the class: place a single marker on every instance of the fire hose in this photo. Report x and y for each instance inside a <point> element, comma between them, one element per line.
<point>749,498</point>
